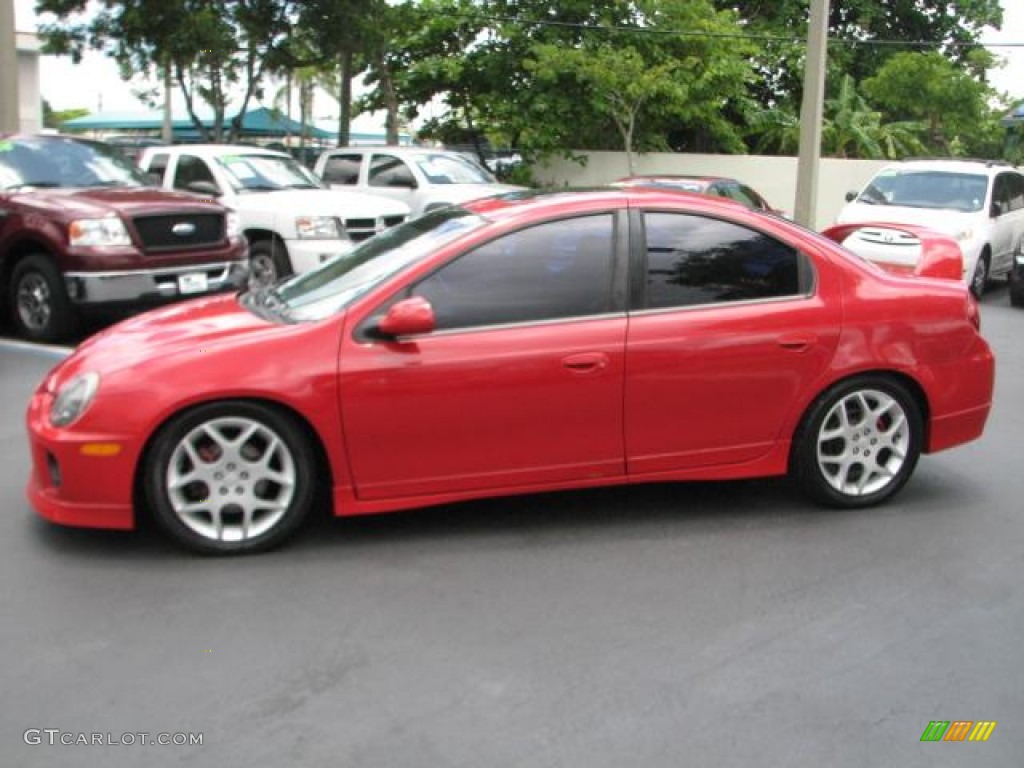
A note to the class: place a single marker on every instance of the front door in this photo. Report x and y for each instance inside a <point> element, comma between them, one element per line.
<point>520,385</point>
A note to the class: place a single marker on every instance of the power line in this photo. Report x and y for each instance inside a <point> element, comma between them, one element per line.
<point>750,36</point>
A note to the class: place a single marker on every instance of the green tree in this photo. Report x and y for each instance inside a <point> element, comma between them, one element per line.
<point>853,129</point>
<point>56,118</point>
<point>212,47</point>
<point>929,88</point>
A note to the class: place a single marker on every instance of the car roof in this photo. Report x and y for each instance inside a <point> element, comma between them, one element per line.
<point>217,150</point>
<point>668,178</point>
<point>952,165</point>
<point>515,204</point>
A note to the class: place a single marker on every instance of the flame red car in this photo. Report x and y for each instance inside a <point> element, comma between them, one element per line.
<point>524,343</point>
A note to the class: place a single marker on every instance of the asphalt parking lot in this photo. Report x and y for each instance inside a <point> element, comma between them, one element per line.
<point>671,625</point>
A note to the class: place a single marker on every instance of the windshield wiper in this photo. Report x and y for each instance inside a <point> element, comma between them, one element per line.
<point>34,185</point>
<point>259,188</point>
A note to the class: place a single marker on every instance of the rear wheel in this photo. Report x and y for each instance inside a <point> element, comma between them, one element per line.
<point>268,263</point>
<point>230,478</point>
<point>39,302</point>
<point>859,443</point>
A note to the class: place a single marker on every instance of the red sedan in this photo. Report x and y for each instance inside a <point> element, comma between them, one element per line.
<point>517,344</point>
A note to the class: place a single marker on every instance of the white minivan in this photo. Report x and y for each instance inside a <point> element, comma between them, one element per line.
<point>292,220</point>
<point>979,203</point>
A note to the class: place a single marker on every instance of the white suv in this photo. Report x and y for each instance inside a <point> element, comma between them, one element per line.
<point>292,221</point>
<point>423,178</point>
<point>979,203</point>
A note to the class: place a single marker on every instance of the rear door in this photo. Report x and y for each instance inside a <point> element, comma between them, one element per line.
<point>729,328</point>
<point>1008,225</point>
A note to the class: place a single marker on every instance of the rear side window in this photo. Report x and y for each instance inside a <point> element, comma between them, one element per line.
<point>696,260</point>
<point>191,169</point>
<point>342,169</point>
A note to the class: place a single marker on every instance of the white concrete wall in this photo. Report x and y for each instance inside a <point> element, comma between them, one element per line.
<point>30,102</point>
<point>773,177</point>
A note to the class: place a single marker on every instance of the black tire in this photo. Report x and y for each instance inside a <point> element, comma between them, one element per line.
<point>1016,295</point>
<point>224,497</point>
<point>268,263</point>
<point>40,307</point>
<point>979,280</point>
<point>865,451</point>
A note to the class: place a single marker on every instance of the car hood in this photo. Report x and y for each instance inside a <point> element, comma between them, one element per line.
<point>180,334</point>
<point>321,202</point>
<point>74,203</point>
<point>947,221</point>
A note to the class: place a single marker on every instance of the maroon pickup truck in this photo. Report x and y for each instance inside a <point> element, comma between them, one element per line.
<point>82,230</point>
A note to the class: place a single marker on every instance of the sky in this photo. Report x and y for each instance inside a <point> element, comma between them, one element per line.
<point>96,85</point>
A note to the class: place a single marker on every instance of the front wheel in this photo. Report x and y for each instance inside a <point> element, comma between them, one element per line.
<point>40,304</point>
<point>268,263</point>
<point>980,277</point>
<point>230,478</point>
<point>859,443</point>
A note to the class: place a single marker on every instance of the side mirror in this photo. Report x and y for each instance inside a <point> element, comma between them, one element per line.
<point>408,317</point>
<point>851,195</point>
<point>996,211</point>
<point>207,188</point>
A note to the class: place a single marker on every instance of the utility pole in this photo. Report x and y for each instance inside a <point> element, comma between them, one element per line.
<point>167,130</point>
<point>10,106</point>
<point>811,114</point>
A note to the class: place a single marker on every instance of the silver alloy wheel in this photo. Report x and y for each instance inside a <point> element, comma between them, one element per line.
<point>863,442</point>
<point>231,479</point>
<point>34,302</point>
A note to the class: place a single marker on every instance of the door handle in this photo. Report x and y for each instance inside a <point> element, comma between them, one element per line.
<point>586,362</point>
<point>797,342</point>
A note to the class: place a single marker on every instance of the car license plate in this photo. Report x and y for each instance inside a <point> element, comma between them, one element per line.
<point>192,282</point>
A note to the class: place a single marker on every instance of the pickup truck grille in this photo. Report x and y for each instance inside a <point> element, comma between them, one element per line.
<point>362,229</point>
<point>177,232</point>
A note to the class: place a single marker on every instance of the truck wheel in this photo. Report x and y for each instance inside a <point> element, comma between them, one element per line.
<point>268,263</point>
<point>39,303</point>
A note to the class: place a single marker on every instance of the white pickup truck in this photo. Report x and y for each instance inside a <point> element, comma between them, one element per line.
<point>292,221</point>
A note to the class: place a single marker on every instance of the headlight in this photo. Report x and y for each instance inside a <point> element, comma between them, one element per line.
<point>233,224</point>
<point>964,234</point>
<point>73,399</point>
<point>94,232</point>
<point>317,227</point>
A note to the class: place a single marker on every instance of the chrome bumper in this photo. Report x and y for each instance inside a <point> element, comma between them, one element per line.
<point>154,284</point>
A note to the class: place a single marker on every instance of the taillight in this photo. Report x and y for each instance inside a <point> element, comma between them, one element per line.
<point>974,312</point>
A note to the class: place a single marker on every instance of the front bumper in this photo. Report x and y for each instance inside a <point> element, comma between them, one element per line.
<point>155,285</point>
<point>71,485</point>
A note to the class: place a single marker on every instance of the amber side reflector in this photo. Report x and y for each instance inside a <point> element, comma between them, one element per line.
<point>100,449</point>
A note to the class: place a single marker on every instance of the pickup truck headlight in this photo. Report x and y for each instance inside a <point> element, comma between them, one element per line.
<point>318,228</point>
<point>233,225</point>
<point>73,398</point>
<point>98,232</point>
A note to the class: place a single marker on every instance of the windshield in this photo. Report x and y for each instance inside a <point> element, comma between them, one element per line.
<point>451,169</point>
<point>324,291</point>
<point>927,189</point>
<point>51,161</point>
<point>266,172</point>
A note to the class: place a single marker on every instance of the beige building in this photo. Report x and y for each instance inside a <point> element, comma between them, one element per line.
<point>30,102</point>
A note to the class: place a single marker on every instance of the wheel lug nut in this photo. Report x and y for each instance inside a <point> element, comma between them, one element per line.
<point>218,475</point>
<point>239,490</point>
<point>223,491</point>
<point>231,467</point>
<point>245,475</point>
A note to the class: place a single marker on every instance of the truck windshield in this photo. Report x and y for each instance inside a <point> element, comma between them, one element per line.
<point>267,172</point>
<point>56,161</point>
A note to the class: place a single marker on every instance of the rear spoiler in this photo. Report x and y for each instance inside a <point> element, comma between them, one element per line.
<point>940,254</point>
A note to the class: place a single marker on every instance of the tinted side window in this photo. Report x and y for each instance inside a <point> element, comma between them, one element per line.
<point>342,169</point>
<point>158,165</point>
<point>388,171</point>
<point>554,270</point>
<point>1015,185</point>
<point>191,168</point>
<point>695,260</point>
